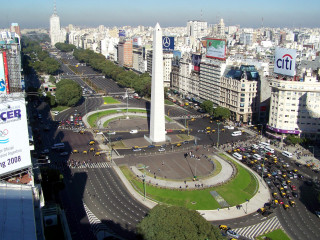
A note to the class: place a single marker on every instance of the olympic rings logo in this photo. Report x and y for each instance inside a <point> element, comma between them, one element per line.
<point>4,133</point>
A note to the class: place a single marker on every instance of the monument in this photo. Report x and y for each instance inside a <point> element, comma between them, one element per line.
<point>157,120</point>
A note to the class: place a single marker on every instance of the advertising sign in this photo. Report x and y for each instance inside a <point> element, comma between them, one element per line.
<point>196,59</point>
<point>14,139</point>
<point>216,48</point>
<point>278,130</point>
<point>6,71</point>
<point>136,41</point>
<point>176,58</point>
<point>168,43</point>
<point>285,61</point>
<point>2,77</point>
<point>122,33</point>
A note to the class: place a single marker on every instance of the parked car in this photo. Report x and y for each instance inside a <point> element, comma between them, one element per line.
<point>232,234</point>
<point>161,149</point>
<point>151,146</point>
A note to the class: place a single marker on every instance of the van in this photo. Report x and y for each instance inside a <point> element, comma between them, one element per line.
<point>264,144</point>
<point>134,131</point>
<point>236,133</point>
<point>287,154</point>
<point>256,156</point>
<point>269,149</point>
<point>58,146</point>
<point>254,146</point>
<point>237,156</point>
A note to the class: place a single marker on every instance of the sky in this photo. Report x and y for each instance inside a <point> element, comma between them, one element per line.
<point>92,13</point>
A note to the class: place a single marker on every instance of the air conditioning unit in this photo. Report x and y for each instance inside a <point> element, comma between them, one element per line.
<point>50,220</point>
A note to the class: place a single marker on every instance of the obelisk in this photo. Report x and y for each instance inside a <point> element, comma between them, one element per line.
<point>157,120</point>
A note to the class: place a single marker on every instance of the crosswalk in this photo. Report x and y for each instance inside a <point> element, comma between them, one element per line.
<point>92,165</point>
<point>96,225</point>
<point>255,230</point>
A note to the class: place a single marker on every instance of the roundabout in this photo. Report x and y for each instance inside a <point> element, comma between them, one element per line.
<point>233,192</point>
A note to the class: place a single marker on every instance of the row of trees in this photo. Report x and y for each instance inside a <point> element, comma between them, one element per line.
<point>36,58</point>
<point>218,112</point>
<point>125,78</point>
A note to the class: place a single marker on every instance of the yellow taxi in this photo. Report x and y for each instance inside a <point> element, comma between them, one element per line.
<point>85,152</point>
<point>97,154</point>
<point>92,142</point>
<point>91,150</point>
<point>224,227</point>
<point>75,151</point>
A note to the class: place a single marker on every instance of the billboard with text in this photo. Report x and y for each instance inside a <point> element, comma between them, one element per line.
<point>216,48</point>
<point>136,41</point>
<point>285,61</point>
<point>196,59</point>
<point>14,138</point>
<point>2,77</point>
<point>122,33</point>
<point>168,43</point>
<point>176,58</point>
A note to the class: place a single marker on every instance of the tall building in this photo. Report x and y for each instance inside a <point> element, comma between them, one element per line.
<point>125,53</point>
<point>15,28</point>
<point>295,107</point>
<point>196,29</point>
<point>56,34</point>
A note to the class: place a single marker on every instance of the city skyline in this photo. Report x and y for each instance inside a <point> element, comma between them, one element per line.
<point>247,13</point>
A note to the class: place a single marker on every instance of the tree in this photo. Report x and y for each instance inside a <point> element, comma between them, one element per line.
<point>68,93</point>
<point>292,139</point>
<point>50,99</point>
<point>172,222</point>
<point>222,113</point>
<point>207,106</point>
<point>52,79</point>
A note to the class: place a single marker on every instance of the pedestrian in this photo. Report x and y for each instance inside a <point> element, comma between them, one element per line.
<point>218,209</point>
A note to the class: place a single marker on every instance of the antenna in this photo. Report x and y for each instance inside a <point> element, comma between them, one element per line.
<point>55,8</point>
<point>262,22</point>
<point>201,16</point>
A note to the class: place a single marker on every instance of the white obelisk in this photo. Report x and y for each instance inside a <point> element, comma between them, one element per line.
<point>157,120</point>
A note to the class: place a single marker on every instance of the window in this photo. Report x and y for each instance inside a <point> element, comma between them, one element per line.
<point>242,99</point>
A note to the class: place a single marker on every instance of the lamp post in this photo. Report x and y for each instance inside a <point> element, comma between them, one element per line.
<point>127,96</point>
<point>144,183</point>
<point>263,164</point>
<point>218,134</point>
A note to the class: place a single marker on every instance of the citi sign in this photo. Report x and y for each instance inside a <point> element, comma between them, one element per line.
<point>285,61</point>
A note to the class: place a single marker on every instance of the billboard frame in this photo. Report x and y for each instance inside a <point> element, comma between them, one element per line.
<point>225,48</point>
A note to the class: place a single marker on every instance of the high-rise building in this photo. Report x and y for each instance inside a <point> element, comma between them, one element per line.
<point>294,107</point>
<point>196,29</point>
<point>56,34</point>
<point>125,53</point>
<point>15,28</point>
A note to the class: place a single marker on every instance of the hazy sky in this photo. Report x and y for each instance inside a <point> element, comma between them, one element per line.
<point>92,13</point>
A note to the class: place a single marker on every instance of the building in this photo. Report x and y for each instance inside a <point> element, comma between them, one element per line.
<point>239,88</point>
<point>11,60</point>
<point>15,28</point>
<point>125,53</point>
<point>56,34</point>
<point>138,61</point>
<point>167,66</point>
<point>196,29</point>
<point>295,107</point>
<point>211,72</point>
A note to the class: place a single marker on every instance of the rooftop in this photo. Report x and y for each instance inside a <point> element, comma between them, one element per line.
<point>248,72</point>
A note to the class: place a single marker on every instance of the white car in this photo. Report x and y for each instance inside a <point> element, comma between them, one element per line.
<point>112,133</point>
<point>134,131</point>
<point>161,149</point>
<point>229,127</point>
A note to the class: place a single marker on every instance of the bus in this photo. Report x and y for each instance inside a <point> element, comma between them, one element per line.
<point>236,133</point>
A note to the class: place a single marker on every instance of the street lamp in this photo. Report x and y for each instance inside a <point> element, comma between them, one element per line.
<point>218,134</point>
<point>127,102</point>
<point>144,183</point>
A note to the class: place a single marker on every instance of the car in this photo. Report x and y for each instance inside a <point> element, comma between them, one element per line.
<point>64,154</point>
<point>292,203</point>
<point>151,146</point>
<point>317,213</point>
<point>224,227</point>
<point>92,142</point>
<point>286,206</point>
<point>136,149</point>
<point>178,145</point>
<point>232,234</point>
<point>97,154</point>
<point>266,213</point>
<point>280,201</point>
<point>185,142</point>
<point>134,131</point>
<point>229,127</point>
<point>295,194</point>
<point>118,138</point>
<point>111,133</point>
<point>293,188</point>
<point>161,149</point>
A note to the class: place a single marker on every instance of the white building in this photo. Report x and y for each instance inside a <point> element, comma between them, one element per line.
<point>56,34</point>
<point>295,107</point>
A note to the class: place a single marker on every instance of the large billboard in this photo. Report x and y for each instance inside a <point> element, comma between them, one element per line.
<point>216,48</point>
<point>168,43</point>
<point>136,41</point>
<point>14,139</point>
<point>122,33</point>
<point>196,59</point>
<point>176,58</point>
<point>285,61</point>
<point>2,77</point>
<point>6,71</point>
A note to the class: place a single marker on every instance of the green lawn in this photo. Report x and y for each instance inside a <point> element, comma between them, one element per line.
<point>236,191</point>
<point>167,102</point>
<point>59,108</point>
<point>275,235</point>
<point>110,100</point>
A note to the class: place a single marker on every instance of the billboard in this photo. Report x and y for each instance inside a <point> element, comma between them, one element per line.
<point>285,61</point>
<point>14,138</point>
<point>176,58</point>
<point>3,87</point>
<point>168,43</point>
<point>196,59</point>
<point>6,71</point>
<point>122,33</point>
<point>136,41</point>
<point>216,48</point>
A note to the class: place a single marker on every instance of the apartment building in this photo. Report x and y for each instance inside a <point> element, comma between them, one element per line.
<point>239,88</point>
<point>295,107</point>
<point>125,53</point>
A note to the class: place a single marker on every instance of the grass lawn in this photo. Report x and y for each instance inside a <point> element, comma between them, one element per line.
<point>167,102</point>
<point>59,108</point>
<point>93,118</point>
<point>275,235</point>
<point>236,191</point>
<point>110,100</point>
